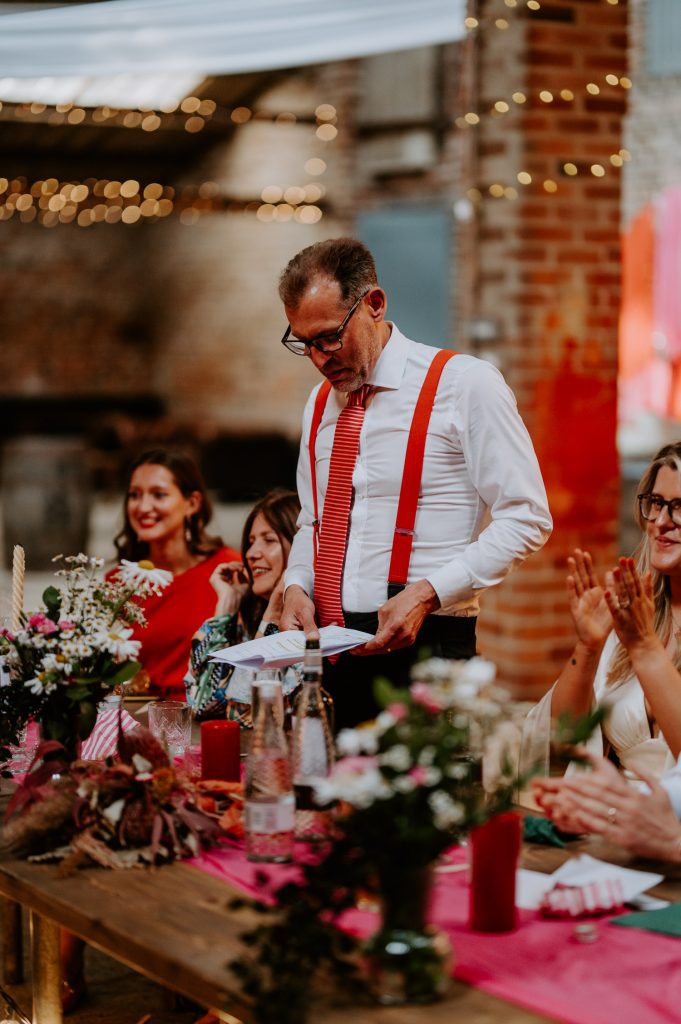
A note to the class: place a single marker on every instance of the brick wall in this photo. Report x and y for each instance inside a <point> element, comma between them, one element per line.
<point>548,277</point>
<point>73,318</point>
<point>652,124</point>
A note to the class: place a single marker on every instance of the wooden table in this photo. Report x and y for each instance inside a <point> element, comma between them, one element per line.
<point>175,926</point>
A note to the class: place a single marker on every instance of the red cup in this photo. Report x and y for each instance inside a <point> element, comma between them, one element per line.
<point>494,858</point>
<point>220,750</point>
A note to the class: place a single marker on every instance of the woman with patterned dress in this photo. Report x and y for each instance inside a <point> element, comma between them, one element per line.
<point>249,604</point>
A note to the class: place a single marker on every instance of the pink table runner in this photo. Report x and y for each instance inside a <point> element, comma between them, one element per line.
<point>629,976</point>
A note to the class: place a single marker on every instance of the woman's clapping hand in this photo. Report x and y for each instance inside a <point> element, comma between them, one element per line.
<point>631,604</point>
<point>603,802</point>
<point>588,606</point>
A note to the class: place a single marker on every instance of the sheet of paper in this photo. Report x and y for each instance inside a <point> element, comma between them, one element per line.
<point>530,887</point>
<point>584,869</point>
<point>281,649</point>
<point>644,902</point>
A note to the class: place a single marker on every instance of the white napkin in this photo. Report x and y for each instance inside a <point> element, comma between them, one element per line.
<point>580,870</point>
<point>287,648</point>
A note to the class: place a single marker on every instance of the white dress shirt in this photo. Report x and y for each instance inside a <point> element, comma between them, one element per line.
<point>478,457</point>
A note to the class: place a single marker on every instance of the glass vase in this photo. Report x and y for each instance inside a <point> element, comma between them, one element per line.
<point>408,959</point>
<point>65,730</point>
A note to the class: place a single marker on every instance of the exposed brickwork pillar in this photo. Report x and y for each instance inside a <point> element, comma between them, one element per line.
<point>549,277</point>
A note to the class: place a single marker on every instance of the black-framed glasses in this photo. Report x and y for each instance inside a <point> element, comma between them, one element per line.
<point>328,342</point>
<point>652,504</point>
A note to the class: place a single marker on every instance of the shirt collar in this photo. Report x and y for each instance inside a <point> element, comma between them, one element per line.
<point>392,362</point>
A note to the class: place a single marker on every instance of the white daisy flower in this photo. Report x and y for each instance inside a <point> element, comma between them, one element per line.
<point>397,757</point>
<point>116,641</point>
<point>431,776</point>
<point>355,780</point>
<point>348,743</point>
<point>143,575</point>
<point>427,755</point>
<point>38,686</point>
<point>404,784</point>
<point>446,812</point>
<point>57,663</point>
<point>385,720</point>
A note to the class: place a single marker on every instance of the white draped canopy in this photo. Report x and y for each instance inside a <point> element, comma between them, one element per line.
<point>215,37</point>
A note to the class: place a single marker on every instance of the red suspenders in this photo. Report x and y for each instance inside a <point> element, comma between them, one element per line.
<point>319,406</point>
<point>411,477</point>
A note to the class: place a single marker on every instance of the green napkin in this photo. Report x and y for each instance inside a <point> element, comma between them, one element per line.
<point>667,920</point>
<point>541,830</point>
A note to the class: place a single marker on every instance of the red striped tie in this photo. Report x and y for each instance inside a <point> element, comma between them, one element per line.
<point>337,504</point>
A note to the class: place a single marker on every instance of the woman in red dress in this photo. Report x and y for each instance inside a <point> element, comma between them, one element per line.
<point>166,512</point>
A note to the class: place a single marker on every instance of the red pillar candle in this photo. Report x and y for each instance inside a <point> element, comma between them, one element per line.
<point>220,749</point>
<point>494,858</point>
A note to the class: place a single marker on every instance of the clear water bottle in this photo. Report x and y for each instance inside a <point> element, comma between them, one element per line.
<point>269,800</point>
<point>312,752</point>
<point>265,675</point>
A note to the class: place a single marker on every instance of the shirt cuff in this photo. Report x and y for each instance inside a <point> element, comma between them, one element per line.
<point>295,576</point>
<point>453,585</point>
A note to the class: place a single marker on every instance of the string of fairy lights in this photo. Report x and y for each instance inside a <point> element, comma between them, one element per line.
<point>502,107</point>
<point>568,168</point>
<point>192,115</point>
<point>51,202</point>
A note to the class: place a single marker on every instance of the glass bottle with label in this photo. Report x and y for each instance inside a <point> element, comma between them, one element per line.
<point>269,800</point>
<point>312,751</point>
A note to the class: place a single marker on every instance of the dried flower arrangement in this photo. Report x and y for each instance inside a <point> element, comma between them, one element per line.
<point>134,811</point>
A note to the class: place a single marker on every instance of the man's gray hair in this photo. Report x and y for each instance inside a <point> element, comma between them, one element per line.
<point>345,260</point>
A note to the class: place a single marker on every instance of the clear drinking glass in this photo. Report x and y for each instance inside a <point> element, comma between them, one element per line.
<point>24,751</point>
<point>170,721</point>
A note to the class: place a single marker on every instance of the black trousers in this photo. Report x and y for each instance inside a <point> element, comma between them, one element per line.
<point>350,679</point>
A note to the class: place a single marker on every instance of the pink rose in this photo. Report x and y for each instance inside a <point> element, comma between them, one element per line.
<point>423,694</point>
<point>8,633</point>
<point>398,710</point>
<point>66,624</point>
<point>41,624</point>
<point>418,774</point>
